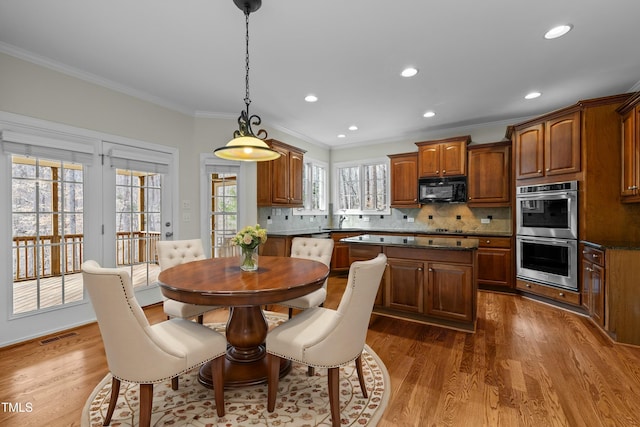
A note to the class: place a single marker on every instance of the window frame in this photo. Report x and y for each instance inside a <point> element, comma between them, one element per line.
<point>307,177</point>
<point>361,164</point>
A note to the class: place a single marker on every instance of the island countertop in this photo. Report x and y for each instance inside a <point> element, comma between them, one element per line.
<point>449,243</point>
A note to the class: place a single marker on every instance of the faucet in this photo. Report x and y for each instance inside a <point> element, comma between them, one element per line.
<point>342,218</point>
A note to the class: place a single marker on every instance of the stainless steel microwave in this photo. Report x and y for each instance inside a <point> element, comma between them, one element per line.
<point>442,190</point>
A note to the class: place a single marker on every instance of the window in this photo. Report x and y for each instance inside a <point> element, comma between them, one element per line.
<point>362,188</point>
<point>314,188</point>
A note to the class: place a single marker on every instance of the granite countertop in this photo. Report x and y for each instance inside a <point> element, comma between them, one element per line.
<point>613,244</point>
<point>415,242</point>
<point>461,234</point>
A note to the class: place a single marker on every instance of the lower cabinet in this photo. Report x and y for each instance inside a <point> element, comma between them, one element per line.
<point>404,287</point>
<point>450,292</point>
<point>340,257</point>
<point>593,282</point>
<point>495,263</point>
<point>436,286</point>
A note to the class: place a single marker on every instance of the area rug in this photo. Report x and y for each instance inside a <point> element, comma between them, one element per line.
<point>302,401</point>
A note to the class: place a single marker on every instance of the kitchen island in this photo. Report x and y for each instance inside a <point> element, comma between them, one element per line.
<point>431,280</point>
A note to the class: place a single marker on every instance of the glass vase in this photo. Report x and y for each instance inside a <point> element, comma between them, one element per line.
<point>249,259</point>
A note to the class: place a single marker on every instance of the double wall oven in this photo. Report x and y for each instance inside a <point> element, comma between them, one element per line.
<point>547,234</point>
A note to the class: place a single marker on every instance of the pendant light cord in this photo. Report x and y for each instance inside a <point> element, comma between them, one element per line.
<point>247,100</point>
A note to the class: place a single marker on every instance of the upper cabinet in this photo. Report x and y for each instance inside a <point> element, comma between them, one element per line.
<point>549,147</point>
<point>489,177</point>
<point>404,180</point>
<point>443,157</point>
<point>630,111</point>
<point>280,180</point>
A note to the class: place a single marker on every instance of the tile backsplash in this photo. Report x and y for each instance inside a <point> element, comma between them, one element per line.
<point>428,218</point>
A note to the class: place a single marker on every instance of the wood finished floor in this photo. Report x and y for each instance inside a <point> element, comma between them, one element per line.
<point>528,364</point>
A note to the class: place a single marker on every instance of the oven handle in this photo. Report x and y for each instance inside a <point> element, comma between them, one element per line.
<point>542,196</point>
<point>545,240</point>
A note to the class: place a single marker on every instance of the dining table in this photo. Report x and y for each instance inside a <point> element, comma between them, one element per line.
<point>221,282</point>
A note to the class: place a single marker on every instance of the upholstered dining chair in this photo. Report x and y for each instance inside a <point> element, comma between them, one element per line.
<point>326,338</point>
<point>318,250</point>
<point>146,354</point>
<point>175,252</point>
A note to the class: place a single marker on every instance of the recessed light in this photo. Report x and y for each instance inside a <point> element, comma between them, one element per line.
<point>532,95</point>
<point>558,31</point>
<point>342,135</point>
<point>353,127</point>
<point>409,72</point>
<point>311,98</point>
<point>429,114</point>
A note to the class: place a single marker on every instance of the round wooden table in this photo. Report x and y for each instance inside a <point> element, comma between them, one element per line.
<point>220,281</point>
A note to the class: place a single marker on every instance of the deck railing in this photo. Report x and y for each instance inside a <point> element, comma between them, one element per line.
<point>49,251</point>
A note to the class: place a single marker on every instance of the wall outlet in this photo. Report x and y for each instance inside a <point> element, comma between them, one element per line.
<point>366,219</point>
<point>186,217</point>
<point>186,204</point>
<point>485,220</point>
<point>269,221</point>
<point>410,219</point>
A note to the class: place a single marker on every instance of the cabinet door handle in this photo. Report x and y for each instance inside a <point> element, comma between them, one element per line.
<point>419,268</point>
<point>437,171</point>
<point>444,171</point>
<point>548,169</point>
<point>527,285</point>
<point>430,269</point>
<point>561,294</point>
<point>539,170</point>
<point>488,241</point>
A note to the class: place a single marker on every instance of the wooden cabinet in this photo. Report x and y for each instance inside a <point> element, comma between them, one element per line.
<point>556,294</point>
<point>549,148</point>
<point>280,181</point>
<point>450,291</point>
<point>630,183</point>
<point>404,180</point>
<point>495,263</point>
<point>443,158</point>
<point>489,176</point>
<point>340,260</point>
<point>404,285</point>
<point>593,284</point>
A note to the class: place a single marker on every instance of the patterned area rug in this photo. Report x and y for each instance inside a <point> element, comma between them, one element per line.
<point>302,401</point>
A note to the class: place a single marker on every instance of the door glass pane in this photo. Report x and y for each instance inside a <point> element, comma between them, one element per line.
<point>47,229</point>
<point>223,216</point>
<point>138,223</point>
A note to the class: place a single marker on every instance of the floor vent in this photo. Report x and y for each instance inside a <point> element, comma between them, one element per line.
<point>58,338</point>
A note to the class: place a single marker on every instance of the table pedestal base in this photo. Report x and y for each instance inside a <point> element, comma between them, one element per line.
<point>246,361</point>
<point>237,375</point>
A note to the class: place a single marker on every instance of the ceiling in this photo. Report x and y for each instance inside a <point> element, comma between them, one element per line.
<point>476,58</point>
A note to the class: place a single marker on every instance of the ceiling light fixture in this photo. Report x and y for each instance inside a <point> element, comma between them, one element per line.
<point>409,72</point>
<point>245,145</point>
<point>532,95</point>
<point>353,127</point>
<point>342,135</point>
<point>311,98</point>
<point>429,114</point>
<point>558,31</point>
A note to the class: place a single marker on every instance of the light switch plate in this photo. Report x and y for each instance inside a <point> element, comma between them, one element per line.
<point>485,221</point>
<point>410,219</point>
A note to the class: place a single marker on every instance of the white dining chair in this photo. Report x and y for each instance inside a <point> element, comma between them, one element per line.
<point>317,250</point>
<point>325,338</point>
<point>176,252</point>
<point>138,352</point>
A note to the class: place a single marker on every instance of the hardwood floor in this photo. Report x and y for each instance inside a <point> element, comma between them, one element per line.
<point>528,364</point>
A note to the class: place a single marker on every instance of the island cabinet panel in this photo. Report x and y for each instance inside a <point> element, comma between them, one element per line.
<point>404,285</point>
<point>340,258</point>
<point>495,263</point>
<point>450,291</point>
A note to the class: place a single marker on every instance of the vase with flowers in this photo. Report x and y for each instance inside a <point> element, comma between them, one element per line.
<point>249,238</point>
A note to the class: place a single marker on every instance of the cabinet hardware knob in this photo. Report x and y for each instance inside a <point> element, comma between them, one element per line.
<point>528,285</point>
<point>488,241</point>
<point>419,269</point>
<point>561,294</point>
<point>437,171</point>
<point>539,171</point>
<point>588,269</point>
<point>584,252</point>
<point>548,169</point>
<point>430,269</point>
<point>596,255</point>
<point>444,171</point>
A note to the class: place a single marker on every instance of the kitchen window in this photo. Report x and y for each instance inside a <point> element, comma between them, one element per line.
<point>314,188</point>
<point>362,188</point>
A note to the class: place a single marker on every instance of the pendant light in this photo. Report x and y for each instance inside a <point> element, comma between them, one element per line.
<point>245,145</point>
